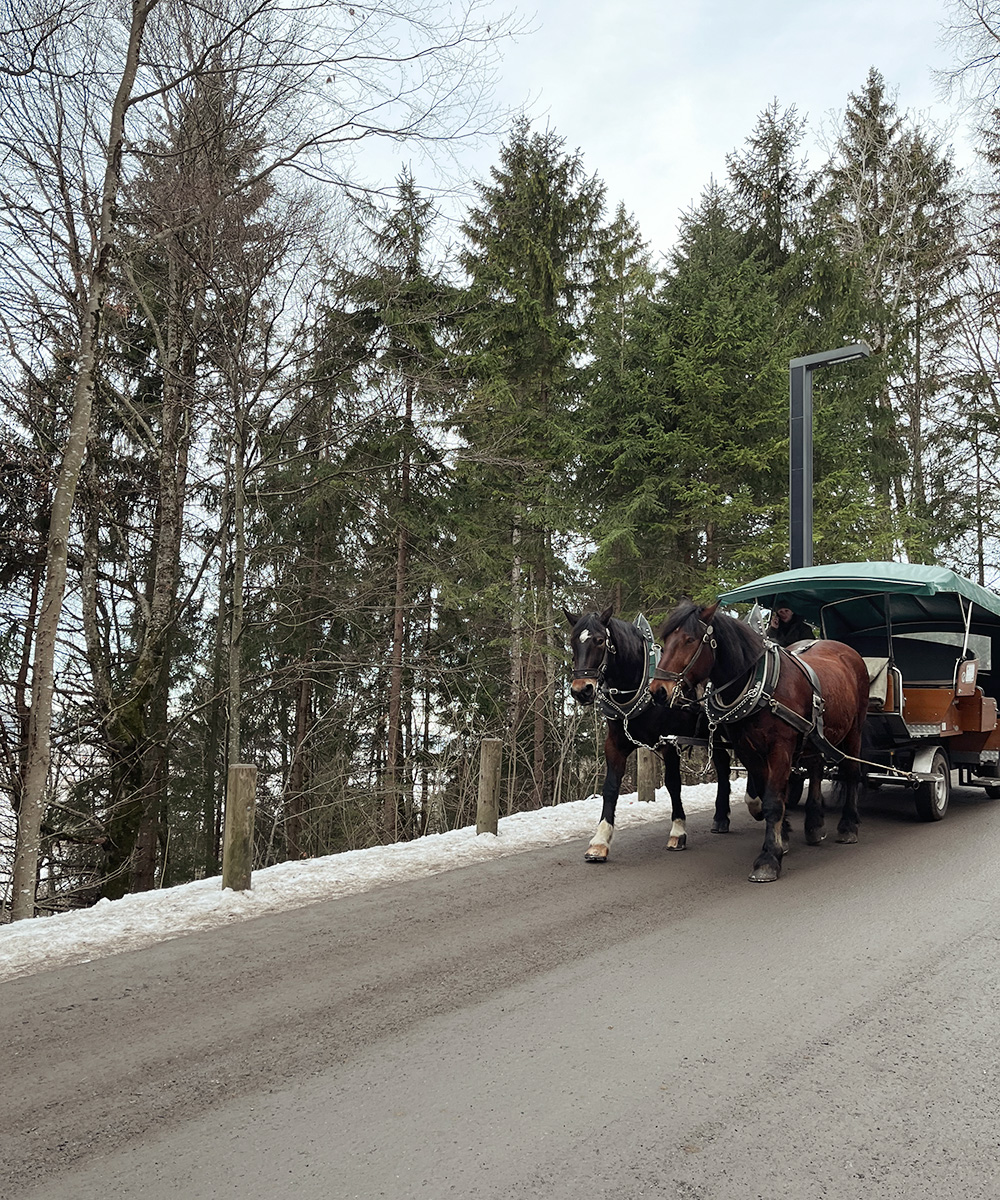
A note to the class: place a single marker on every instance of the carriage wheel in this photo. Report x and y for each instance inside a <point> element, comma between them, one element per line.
<point>932,795</point>
<point>993,791</point>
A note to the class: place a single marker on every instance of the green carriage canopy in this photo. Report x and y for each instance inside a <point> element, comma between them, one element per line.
<point>863,596</point>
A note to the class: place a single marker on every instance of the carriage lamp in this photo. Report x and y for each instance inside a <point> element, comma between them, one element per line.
<point>800,468</point>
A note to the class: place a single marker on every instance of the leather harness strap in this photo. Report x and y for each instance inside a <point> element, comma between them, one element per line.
<point>759,694</point>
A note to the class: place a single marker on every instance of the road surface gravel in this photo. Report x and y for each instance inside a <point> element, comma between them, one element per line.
<point>538,1027</point>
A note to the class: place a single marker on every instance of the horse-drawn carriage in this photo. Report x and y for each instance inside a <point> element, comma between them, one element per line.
<point>931,642</point>
<point>900,688</point>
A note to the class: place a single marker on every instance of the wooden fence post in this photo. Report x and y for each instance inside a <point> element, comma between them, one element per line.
<point>488,809</point>
<point>237,843</point>
<point>647,773</point>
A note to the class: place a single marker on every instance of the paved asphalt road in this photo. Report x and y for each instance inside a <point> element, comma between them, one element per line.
<point>537,1027</point>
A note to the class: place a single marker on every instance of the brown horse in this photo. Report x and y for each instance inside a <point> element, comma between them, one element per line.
<point>782,709</point>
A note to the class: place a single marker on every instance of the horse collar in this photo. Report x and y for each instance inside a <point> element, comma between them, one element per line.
<point>756,694</point>
<point>638,699</point>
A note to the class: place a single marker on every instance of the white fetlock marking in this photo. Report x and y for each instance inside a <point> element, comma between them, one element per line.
<point>677,830</point>
<point>604,834</point>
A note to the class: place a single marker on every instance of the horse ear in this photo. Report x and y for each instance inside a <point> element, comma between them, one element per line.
<point>606,615</point>
<point>708,613</point>
<point>573,618</point>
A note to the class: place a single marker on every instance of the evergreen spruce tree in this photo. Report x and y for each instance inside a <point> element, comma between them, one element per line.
<point>890,199</point>
<point>769,183</point>
<point>410,306</point>
<point>528,255</point>
<point>618,406</point>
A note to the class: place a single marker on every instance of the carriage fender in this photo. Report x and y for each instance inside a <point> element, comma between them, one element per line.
<point>924,758</point>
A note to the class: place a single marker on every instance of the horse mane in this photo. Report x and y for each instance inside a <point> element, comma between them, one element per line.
<point>739,645</point>
<point>629,645</point>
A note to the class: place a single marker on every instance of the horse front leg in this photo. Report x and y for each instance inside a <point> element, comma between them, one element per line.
<point>772,774</point>
<point>755,789</point>
<point>672,781</point>
<point>723,767</point>
<point>616,758</point>
<point>767,865</point>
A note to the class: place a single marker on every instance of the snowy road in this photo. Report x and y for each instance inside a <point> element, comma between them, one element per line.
<point>535,1027</point>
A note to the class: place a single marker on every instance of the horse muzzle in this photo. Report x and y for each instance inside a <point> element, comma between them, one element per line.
<point>669,691</point>
<point>583,691</point>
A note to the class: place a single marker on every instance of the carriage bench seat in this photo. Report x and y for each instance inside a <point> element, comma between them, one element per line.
<point>922,664</point>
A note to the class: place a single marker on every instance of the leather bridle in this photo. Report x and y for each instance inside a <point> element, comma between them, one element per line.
<point>680,679</point>
<point>598,673</point>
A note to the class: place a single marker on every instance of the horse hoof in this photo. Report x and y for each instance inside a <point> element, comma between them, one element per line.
<point>764,874</point>
<point>847,839</point>
<point>678,843</point>
<point>596,854</point>
<point>815,839</point>
<point>720,826</point>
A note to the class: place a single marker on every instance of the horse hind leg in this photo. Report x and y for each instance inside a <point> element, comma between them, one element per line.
<point>815,824</point>
<point>848,787</point>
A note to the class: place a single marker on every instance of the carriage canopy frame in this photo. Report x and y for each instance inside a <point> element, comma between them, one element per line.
<point>861,597</point>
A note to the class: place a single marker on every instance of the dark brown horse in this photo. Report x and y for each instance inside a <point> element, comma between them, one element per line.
<point>611,667</point>
<point>780,710</point>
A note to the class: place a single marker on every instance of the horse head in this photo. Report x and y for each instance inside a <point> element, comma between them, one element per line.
<point>591,644</point>
<point>688,654</point>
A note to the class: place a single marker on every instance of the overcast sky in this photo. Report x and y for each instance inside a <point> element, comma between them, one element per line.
<point>655,93</point>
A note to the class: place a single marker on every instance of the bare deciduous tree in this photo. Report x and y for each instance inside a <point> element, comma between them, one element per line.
<point>74,110</point>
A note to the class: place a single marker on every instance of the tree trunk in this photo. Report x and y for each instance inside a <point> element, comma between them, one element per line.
<point>395,755</point>
<point>151,679</point>
<point>211,830</point>
<point>29,822</point>
<point>239,575</point>
<point>516,666</point>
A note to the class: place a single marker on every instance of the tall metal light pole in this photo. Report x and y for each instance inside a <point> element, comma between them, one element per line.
<point>800,470</point>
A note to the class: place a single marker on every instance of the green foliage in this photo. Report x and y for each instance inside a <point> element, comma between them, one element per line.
<point>463,443</point>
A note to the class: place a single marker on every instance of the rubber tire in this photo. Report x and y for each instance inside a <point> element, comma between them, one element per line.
<point>932,798</point>
<point>993,791</point>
